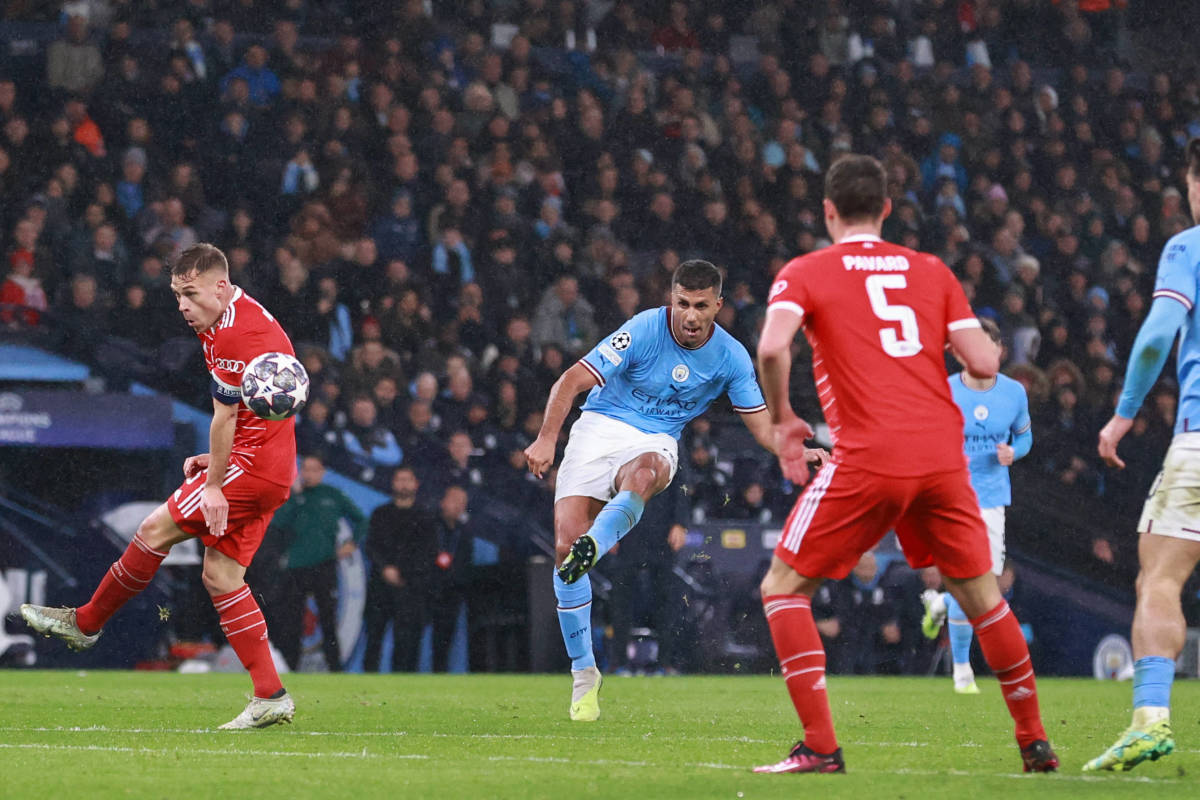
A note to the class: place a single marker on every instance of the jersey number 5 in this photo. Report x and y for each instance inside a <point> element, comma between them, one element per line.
<point>908,341</point>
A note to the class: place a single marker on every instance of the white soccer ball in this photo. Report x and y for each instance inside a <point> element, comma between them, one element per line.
<point>275,386</point>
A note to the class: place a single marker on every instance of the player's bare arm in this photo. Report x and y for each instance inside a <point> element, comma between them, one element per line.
<point>194,465</point>
<point>540,455</point>
<point>774,365</point>
<point>975,350</point>
<point>759,425</point>
<point>214,506</point>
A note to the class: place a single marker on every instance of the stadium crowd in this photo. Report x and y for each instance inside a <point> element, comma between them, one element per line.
<point>446,203</point>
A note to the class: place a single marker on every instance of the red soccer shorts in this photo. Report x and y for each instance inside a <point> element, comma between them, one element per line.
<point>845,511</point>
<point>252,503</point>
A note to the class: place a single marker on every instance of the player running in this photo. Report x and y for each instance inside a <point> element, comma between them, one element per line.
<point>228,495</point>
<point>1169,545</point>
<point>995,410</point>
<point>645,382</point>
<point>878,317</point>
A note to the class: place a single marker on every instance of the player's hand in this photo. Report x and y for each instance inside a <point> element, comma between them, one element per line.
<point>818,456</point>
<point>215,509</point>
<point>1004,454</point>
<point>676,538</point>
<point>194,465</point>
<point>539,456</point>
<point>391,575</point>
<point>1110,436</point>
<point>793,455</point>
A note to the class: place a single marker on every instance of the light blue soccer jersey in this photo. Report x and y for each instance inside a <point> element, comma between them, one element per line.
<point>991,417</point>
<point>650,381</point>
<point>1178,271</point>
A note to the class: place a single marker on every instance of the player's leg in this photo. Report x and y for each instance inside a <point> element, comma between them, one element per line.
<point>379,610</point>
<point>637,481</point>
<point>961,635</point>
<point>842,514</point>
<point>125,579</point>
<point>943,522</point>
<point>1159,631</point>
<point>573,515</point>
<point>245,628</point>
<point>787,603</point>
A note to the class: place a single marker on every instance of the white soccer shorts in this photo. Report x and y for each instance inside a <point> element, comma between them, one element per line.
<point>993,518</point>
<point>597,449</point>
<point>1173,505</point>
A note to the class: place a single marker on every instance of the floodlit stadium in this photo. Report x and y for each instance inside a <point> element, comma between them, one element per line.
<point>526,398</point>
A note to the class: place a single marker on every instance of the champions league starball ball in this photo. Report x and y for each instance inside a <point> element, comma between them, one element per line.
<point>275,386</point>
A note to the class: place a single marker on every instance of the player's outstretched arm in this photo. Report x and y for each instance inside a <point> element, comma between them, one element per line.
<point>540,455</point>
<point>1150,351</point>
<point>213,504</point>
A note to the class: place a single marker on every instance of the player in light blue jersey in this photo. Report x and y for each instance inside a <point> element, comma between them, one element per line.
<point>996,432</point>
<point>1169,544</point>
<point>645,382</point>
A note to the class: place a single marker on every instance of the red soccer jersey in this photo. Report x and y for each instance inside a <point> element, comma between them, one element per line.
<point>878,316</point>
<point>263,448</point>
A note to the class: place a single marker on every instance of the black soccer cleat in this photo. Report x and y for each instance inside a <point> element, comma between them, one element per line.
<point>1037,756</point>
<point>582,558</point>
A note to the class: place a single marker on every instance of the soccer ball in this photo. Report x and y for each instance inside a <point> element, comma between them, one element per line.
<point>274,386</point>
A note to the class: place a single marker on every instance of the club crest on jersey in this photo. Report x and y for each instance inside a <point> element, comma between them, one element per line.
<point>776,289</point>
<point>621,340</point>
<point>981,413</point>
<point>680,373</point>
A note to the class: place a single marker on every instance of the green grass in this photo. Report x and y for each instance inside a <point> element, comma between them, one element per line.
<point>76,736</point>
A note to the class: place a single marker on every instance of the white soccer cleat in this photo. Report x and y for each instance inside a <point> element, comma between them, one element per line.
<point>58,622</point>
<point>260,712</point>
<point>585,694</point>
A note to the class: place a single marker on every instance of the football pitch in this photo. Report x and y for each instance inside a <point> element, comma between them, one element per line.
<point>68,735</point>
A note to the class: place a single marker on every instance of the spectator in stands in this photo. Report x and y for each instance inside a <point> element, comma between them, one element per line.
<point>371,447</point>
<point>22,287</point>
<point>564,318</point>
<point>73,64</point>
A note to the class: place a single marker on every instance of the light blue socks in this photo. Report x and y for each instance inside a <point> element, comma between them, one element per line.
<point>575,620</point>
<point>961,632</point>
<point>615,520</point>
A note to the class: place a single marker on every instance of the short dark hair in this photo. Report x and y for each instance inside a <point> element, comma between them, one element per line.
<point>857,187</point>
<point>991,329</point>
<point>696,274</point>
<point>1193,156</point>
<point>200,258</point>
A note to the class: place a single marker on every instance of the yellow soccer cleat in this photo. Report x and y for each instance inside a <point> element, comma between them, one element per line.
<point>1135,746</point>
<point>585,695</point>
<point>966,688</point>
<point>935,613</point>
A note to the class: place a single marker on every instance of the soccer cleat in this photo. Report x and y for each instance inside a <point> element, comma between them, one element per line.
<point>966,688</point>
<point>935,613</point>
<point>1135,746</point>
<point>261,712</point>
<point>803,759</point>
<point>1037,756</point>
<point>582,557</point>
<point>58,622</point>
<point>585,694</point>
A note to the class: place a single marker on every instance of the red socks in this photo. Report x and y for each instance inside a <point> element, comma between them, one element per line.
<point>243,624</point>
<point>1007,654</point>
<point>802,660</point>
<point>127,577</point>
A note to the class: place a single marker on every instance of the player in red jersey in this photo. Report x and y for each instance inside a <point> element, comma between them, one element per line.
<point>879,317</point>
<point>228,495</point>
